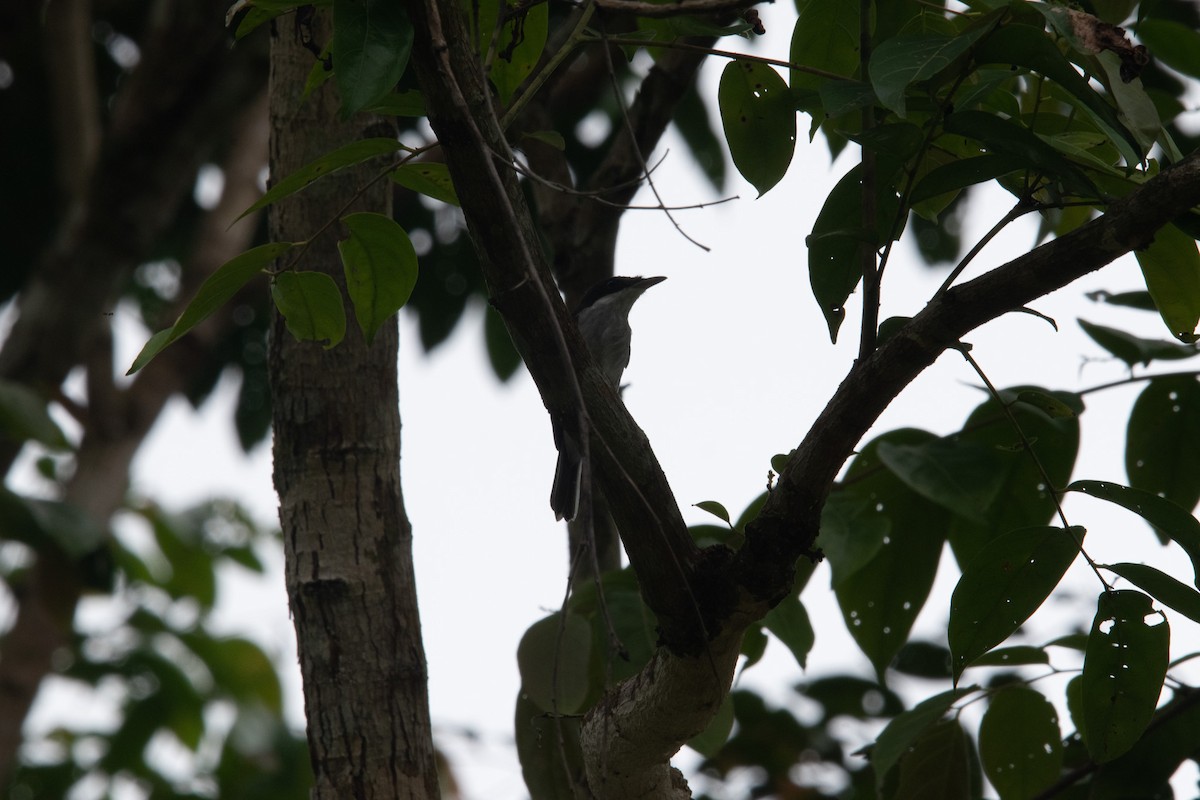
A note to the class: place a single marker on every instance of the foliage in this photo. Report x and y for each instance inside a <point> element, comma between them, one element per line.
<point>1052,103</point>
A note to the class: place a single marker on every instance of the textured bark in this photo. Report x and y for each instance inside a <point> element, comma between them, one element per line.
<point>347,539</point>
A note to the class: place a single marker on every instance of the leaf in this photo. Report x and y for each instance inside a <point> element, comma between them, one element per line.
<point>519,46</point>
<point>1015,656</point>
<point>24,416</point>
<point>372,40</point>
<point>963,172</point>
<point>239,668</point>
<point>1156,756</point>
<point>1134,107</point>
<point>71,529</point>
<point>1134,349</point>
<point>824,38</point>
<point>790,624</point>
<point>759,122</point>
<point>1032,48</point>
<point>937,766</point>
<point>553,658</point>
<point>311,306</point>
<point>1171,267</point>
<point>1162,587</point>
<point>960,476</point>
<point>215,292</point>
<point>1003,585</point>
<point>709,741</point>
<point>502,353</point>
<point>881,598</point>
<point>345,156</point>
<point>1048,404</point>
<point>838,235</point>
<point>381,269</point>
<point>1178,525</point>
<point>1138,299</point>
<point>428,178</point>
<point>1123,672</point>
<point>714,508</point>
<point>1025,499</point>
<point>896,739</point>
<point>399,104</point>
<point>1162,441</point>
<point>905,59</point>
<point>1173,43</point>
<point>1008,138</point>
<point>1020,743</point>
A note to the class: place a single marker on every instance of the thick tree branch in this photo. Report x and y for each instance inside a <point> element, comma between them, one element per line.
<point>521,288</point>
<point>789,522</point>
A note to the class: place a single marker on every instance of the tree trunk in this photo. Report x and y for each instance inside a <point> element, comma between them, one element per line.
<point>337,448</point>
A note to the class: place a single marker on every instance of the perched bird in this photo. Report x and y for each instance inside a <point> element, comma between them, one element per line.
<point>603,319</point>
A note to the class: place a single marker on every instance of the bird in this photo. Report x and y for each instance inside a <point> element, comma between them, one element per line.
<point>603,320</point>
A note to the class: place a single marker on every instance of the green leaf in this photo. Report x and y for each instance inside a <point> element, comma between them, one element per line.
<point>553,658</point>
<point>345,156</point>
<point>1025,499</point>
<point>548,748</point>
<point>838,235</point>
<point>1162,587</point>
<point>24,416</point>
<point>399,104</point>
<point>1162,442</point>
<point>1123,672</point>
<point>215,292</point>
<point>852,533</point>
<point>311,306</point>
<point>1015,656</point>
<point>825,38</point>
<point>1020,743</point>
<point>372,40</point>
<point>1147,768</point>
<point>1173,43</point>
<point>903,60</point>
<point>428,178</point>
<point>881,598</point>
<point>519,46</point>
<point>1134,349</point>
<point>502,353</point>
<point>1137,299</point>
<point>1032,48</point>
<point>714,508</point>
<point>1003,585</point>
<point>709,741</point>
<point>963,172</point>
<point>67,526</point>
<point>1178,525</point>
<point>960,476</point>
<point>790,624</point>
<point>381,269</point>
<point>896,739</point>
<point>239,668</point>
<point>759,122</point>
<point>1134,107</point>
<point>1048,404</point>
<point>1171,267</point>
<point>1008,138</point>
<point>552,138</point>
<point>937,766</point>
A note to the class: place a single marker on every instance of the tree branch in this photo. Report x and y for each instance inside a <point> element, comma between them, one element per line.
<point>790,520</point>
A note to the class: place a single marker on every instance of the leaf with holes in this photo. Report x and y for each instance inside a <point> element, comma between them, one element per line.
<point>429,179</point>
<point>759,121</point>
<point>1003,585</point>
<point>1162,441</point>
<point>1171,267</point>
<point>1175,522</point>
<point>1123,672</point>
<point>1020,743</point>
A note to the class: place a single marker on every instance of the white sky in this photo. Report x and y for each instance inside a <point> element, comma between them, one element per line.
<point>731,363</point>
